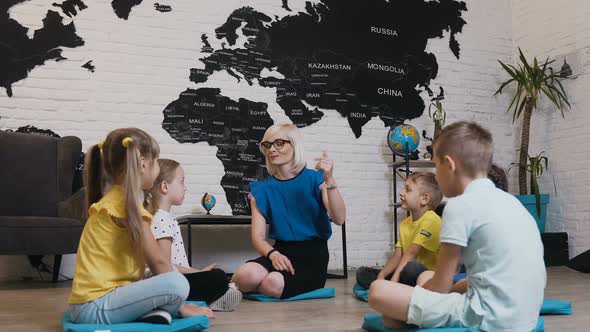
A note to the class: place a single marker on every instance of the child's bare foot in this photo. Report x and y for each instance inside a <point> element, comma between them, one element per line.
<point>190,310</point>
<point>392,323</point>
<point>460,286</point>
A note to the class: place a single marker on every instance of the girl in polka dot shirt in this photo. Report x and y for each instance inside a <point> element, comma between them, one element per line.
<point>209,284</point>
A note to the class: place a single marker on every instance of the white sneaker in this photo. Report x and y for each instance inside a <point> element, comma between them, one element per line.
<point>228,302</point>
<point>156,316</point>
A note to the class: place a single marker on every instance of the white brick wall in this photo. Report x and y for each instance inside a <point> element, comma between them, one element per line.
<point>548,29</point>
<point>142,65</point>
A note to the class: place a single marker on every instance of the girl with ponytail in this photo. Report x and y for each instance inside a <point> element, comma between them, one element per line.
<point>117,241</point>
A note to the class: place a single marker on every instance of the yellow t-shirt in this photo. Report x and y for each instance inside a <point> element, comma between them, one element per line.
<point>106,258</point>
<point>424,232</point>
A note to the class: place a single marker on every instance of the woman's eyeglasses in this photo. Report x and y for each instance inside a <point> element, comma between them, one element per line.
<point>278,144</point>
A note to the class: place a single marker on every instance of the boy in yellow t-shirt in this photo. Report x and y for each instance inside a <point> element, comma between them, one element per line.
<point>417,248</point>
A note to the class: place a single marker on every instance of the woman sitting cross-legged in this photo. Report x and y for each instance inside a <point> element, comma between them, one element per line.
<point>298,204</point>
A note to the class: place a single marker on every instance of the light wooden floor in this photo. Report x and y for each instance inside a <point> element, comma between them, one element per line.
<point>37,306</point>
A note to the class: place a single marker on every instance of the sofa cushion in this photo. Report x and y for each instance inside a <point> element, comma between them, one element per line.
<point>39,235</point>
<point>38,170</point>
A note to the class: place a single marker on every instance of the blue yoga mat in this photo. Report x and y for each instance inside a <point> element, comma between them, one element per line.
<point>360,293</point>
<point>549,307</point>
<point>191,324</point>
<point>459,276</point>
<point>322,293</point>
<point>374,323</point>
<point>555,307</point>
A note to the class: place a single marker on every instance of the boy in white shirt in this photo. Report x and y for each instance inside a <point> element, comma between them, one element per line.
<point>497,237</point>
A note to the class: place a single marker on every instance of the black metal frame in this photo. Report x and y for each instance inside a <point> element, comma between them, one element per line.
<point>208,219</point>
<point>395,173</point>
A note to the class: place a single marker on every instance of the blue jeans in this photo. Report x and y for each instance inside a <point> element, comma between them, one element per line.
<point>125,304</point>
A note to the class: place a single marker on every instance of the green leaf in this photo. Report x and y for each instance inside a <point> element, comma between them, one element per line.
<point>535,186</point>
<point>523,60</point>
<point>548,62</point>
<point>511,71</point>
<point>511,165</point>
<point>544,68</point>
<point>562,94</point>
<point>512,102</point>
<point>515,114</point>
<point>503,85</point>
<point>550,95</point>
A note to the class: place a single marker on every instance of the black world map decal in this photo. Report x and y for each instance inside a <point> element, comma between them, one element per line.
<point>20,54</point>
<point>363,59</point>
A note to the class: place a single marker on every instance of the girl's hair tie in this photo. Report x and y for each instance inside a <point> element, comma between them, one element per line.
<point>126,141</point>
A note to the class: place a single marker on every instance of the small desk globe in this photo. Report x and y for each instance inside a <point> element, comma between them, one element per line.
<point>403,139</point>
<point>208,202</point>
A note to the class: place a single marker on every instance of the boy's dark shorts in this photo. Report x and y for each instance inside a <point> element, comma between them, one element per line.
<point>409,275</point>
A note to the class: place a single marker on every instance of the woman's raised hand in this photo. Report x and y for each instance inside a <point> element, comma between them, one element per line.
<point>326,165</point>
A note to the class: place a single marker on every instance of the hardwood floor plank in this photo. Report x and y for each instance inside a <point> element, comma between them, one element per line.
<point>37,306</point>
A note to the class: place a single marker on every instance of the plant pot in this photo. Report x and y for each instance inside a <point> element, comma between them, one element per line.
<point>529,203</point>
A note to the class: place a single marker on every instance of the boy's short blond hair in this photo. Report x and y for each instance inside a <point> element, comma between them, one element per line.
<point>467,143</point>
<point>426,182</point>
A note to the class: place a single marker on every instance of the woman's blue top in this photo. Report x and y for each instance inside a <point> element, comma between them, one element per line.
<point>293,208</point>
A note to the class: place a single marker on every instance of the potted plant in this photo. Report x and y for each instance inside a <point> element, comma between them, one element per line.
<point>532,81</point>
<point>537,202</point>
<point>439,115</point>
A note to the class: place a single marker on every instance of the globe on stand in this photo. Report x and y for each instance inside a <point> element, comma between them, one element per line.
<point>403,139</point>
<point>208,202</point>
